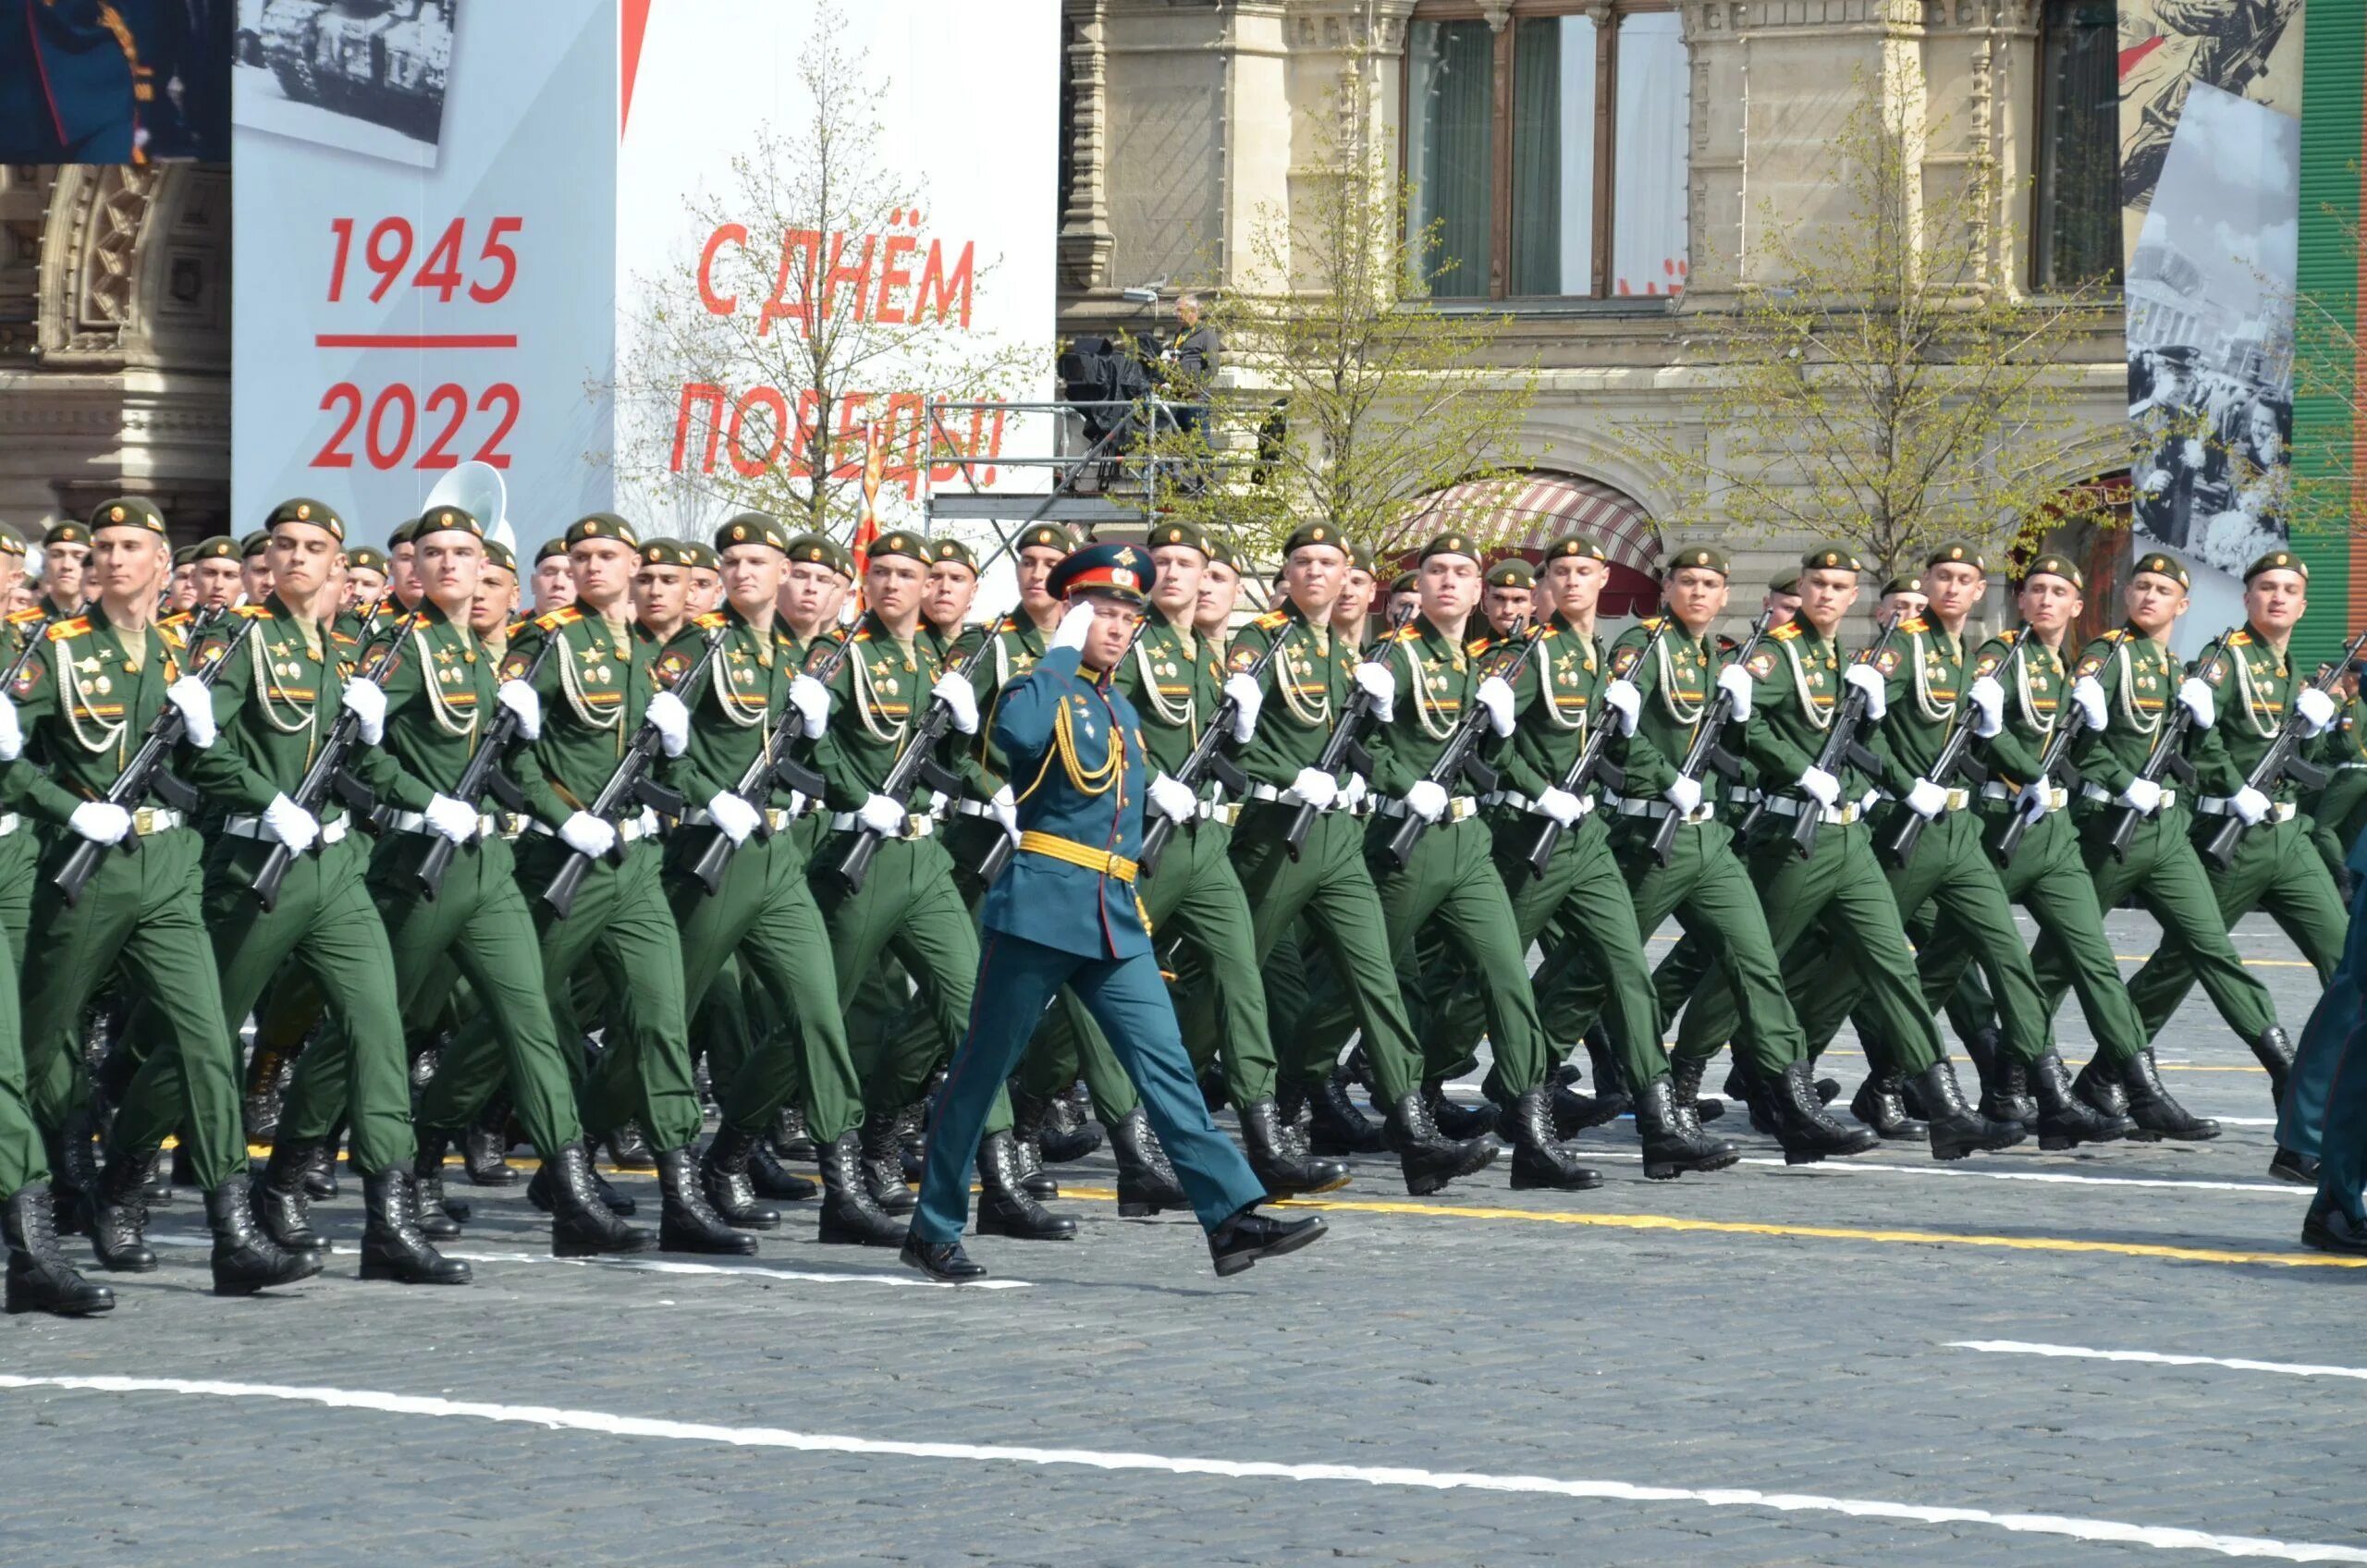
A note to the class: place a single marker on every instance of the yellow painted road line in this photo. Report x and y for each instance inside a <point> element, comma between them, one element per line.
<point>2140,958</point>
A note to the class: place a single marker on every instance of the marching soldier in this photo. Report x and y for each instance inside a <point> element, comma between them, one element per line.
<point>1902,599</point>
<point>254,567</point>
<point>2338,813</point>
<point>217,576</point>
<point>365,582</point>
<point>1509,597</point>
<point>494,608</point>
<point>1352,617</point>
<point>554,577</point>
<point>707,578</point>
<point>64,559</point>
<point>661,590</point>
<point>952,586</point>
<point>402,574</point>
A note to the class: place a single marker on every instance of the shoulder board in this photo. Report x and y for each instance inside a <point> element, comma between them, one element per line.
<point>1727,644</point>
<point>172,637</point>
<point>1008,623</point>
<point>833,635</point>
<point>2240,639</point>
<point>178,619</point>
<point>565,615</point>
<point>27,616</point>
<point>1650,623</point>
<point>61,630</point>
<point>2009,637</point>
<point>784,639</point>
<point>1479,645</point>
<point>863,636</point>
<point>1271,619</point>
<point>1785,632</point>
<point>519,629</point>
<point>714,620</point>
<point>344,639</point>
<point>1403,634</point>
<point>1914,625</point>
<point>252,612</point>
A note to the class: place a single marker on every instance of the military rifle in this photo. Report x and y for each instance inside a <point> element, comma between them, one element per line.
<point>33,636</point>
<point>1207,760</point>
<point>2280,761</point>
<point>914,766</point>
<point>1703,754</point>
<point>1842,749</point>
<point>481,778</point>
<point>2168,755</point>
<point>328,772</point>
<point>1590,764</point>
<point>1458,759</point>
<point>1343,749</point>
<point>1953,759</point>
<point>773,769</point>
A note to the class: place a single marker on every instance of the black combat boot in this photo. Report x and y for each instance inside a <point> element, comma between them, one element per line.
<point>1539,1161</point>
<point>723,1178</point>
<point>1456,1120</point>
<point>1574,1111</point>
<point>2153,1110</point>
<point>774,1181</point>
<point>122,1217</point>
<point>155,1183</point>
<point>1248,1236</point>
<point>2098,1088</point>
<point>1807,1132</point>
<point>1881,1104</point>
<point>849,1216</point>
<point>1429,1159</point>
<point>582,1223</point>
<point>183,1168</point>
<point>685,1223</point>
<point>1005,1206</point>
<point>1337,1126</point>
<point>245,1261</point>
<point>269,1076</point>
<point>1685,1091</point>
<point>1673,1142</point>
<point>1056,1141</point>
<point>2063,1118</point>
<point>1278,1166</point>
<point>542,1191</point>
<point>2325,1226</point>
<point>1028,1116</point>
<point>437,1220</point>
<point>484,1150</point>
<point>74,1175</point>
<point>393,1247</point>
<point>2005,1082</point>
<point>2292,1165</point>
<point>629,1148</point>
<point>279,1202</point>
<point>1746,1084</point>
<point>912,1134</point>
<point>320,1182</point>
<point>883,1164</point>
<point>1146,1181</point>
<point>38,1278</point>
<point>943,1261</point>
<point>789,1139</point>
<point>1957,1129</point>
<point>1612,1090</point>
<point>2276,1053</point>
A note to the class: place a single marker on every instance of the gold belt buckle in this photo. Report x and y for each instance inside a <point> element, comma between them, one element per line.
<point>143,821</point>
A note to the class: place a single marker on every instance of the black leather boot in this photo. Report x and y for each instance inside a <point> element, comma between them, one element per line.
<point>1337,1126</point>
<point>1028,1118</point>
<point>1004,1208</point>
<point>38,1278</point>
<point>155,1183</point>
<point>1673,1143</point>
<point>1429,1159</point>
<point>1456,1120</point>
<point>774,1181</point>
<point>789,1139</point>
<point>74,1175</point>
<point>2324,1227</point>
<point>2276,1053</point>
<point>438,1221</point>
<point>1248,1236</point>
<point>1807,1132</point>
<point>1685,1091</point>
<point>2005,1083</point>
<point>628,1149</point>
<point>1759,1098</point>
<point>2292,1165</point>
<point>685,1223</point>
<point>542,1191</point>
<point>2153,1110</point>
<point>1284,1171</point>
<point>320,1182</point>
<point>883,1164</point>
<point>245,1261</point>
<point>122,1217</point>
<point>1538,1161</point>
<point>279,1202</point>
<point>393,1247</point>
<point>1056,1141</point>
<point>484,1150</point>
<point>581,1222</point>
<point>2097,1087</point>
<point>849,1217</point>
<point>269,1076</point>
<point>1957,1129</point>
<point>1146,1181</point>
<point>912,1134</point>
<point>183,1167</point>
<point>2063,1118</point>
<point>723,1178</point>
<point>943,1261</point>
<point>1880,1104</point>
<point>1574,1112</point>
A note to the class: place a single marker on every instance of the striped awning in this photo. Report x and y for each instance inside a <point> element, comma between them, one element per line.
<point>1529,512</point>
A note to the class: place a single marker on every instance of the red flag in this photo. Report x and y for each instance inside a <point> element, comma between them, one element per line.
<point>866,525</point>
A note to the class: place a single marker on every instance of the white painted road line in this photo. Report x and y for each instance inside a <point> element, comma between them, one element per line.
<point>2157,1358</point>
<point>2162,1537</point>
<point>1975,1172</point>
<point>671,1266</point>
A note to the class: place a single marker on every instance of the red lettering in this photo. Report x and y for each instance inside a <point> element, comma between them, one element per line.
<point>713,397</point>
<point>767,397</point>
<point>725,234</point>
<point>779,305</point>
<point>884,306</point>
<point>948,291</point>
<point>859,275</point>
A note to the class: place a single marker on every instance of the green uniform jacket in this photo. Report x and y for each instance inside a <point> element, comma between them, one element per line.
<point>1796,691</point>
<point>595,687</point>
<point>880,688</point>
<point>1436,676</point>
<point>2036,685</point>
<point>746,694</point>
<point>1306,689</point>
<point>1922,681</point>
<point>275,702</point>
<point>2253,685</point>
<point>2140,680</point>
<point>1676,685</point>
<point>1553,700</point>
<point>1175,682</point>
<point>84,710</point>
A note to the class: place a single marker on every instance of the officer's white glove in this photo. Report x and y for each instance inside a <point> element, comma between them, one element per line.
<point>2195,697</point>
<point>1313,786</point>
<point>954,690</point>
<point>292,824</point>
<point>1495,694</point>
<point>1353,793</point>
<point>366,701</point>
<point>101,822</point>
<point>12,733</point>
<point>2087,696</point>
<point>811,701</point>
<point>1622,698</point>
<point>1076,624</point>
<point>1561,805</point>
<point>1172,799</point>
<point>732,816</point>
<point>521,700</point>
<point>940,804</point>
<point>1823,785</point>
<point>798,802</point>
<point>2317,711</point>
<point>589,835</point>
<point>2249,805</point>
<point>196,705</point>
<point>1868,679</point>
<point>1736,682</point>
<point>2031,803</point>
<point>1683,794</point>
<point>882,815</point>
<point>1426,800</point>
<point>1383,686</point>
<point>451,818</point>
<point>1926,798</point>
<point>666,714</point>
<point>2142,796</point>
<point>1247,699</point>
<point>1988,699</point>
<point>1006,810</point>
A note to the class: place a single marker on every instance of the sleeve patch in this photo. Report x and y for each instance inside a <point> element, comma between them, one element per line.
<point>1243,658</point>
<point>1986,665</point>
<point>2088,666</point>
<point>1623,661</point>
<point>1761,665</point>
<point>1888,663</point>
<point>816,656</point>
<point>670,666</point>
<point>29,677</point>
<point>514,667</point>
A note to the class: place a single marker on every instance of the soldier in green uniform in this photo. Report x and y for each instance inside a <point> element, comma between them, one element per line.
<point>215,575</point>
<point>2338,813</point>
<point>85,701</point>
<point>254,567</point>
<point>1510,594</point>
<point>65,565</point>
<point>1066,914</point>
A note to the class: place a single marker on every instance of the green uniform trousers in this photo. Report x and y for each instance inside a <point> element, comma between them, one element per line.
<point>23,1161</point>
<point>2277,870</point>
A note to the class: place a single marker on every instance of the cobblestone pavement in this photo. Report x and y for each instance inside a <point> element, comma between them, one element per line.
<point>1796,1331</point>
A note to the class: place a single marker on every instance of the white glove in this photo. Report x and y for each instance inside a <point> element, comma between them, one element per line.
<point>2195,697</point>
<point>520,699</point>
<point>1315,788</point>
<point>1248,699</point>
<point>1926,798</point>
<point>1375,679</point>
<point>1736,682</point>
<point>2250,804</point>
<point>101,822</point>
<point>1561,805</point>
<point>1622,698</point>
<point>366,700</point>
<point>1006,810</point>
<point>1823,785</point>
<point>12,734</point>
<point>1988,699</point>
<point>1426,800</point>
<point>1172,799</point>
<point>2031,803</point>
<point>882,815</point>
<point>2087,696</point>
<point>811,701</point>
<point>1683,794</point>
<point>2317,710</point>
<point>954,690</point>
<point>1868,679</point>
<point>292,824</point>
<point>1353,793</point>
<point>2143,796</point>
<point>196,705</point>
<point>1495,694</point>
<point>666,714</point>
<point>589,835</point>
<point>1076,623</point>
<point>732,816</point>
<point>450,818</point>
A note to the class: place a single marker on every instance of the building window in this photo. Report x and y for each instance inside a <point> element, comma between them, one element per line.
<point>1551,154</point>
<point>2076,207</point>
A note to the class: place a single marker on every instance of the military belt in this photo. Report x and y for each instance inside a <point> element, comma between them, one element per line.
<point>9,823</point>
<point>155,819</point>
<point>244,826</point>
<point>2098,792</point>
<point>2056,796</point>
<point>1283,797</point>
<point>489,826</point>
<point>1459,808</point>
<point>917,824</point>
<point>1053,847</point>
<point>1625,807</point>
<point>2221,805</point>
<point>1518,802</point>
<point>1787,805</point>
<point>978,808</point>
<point>628,832</point>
